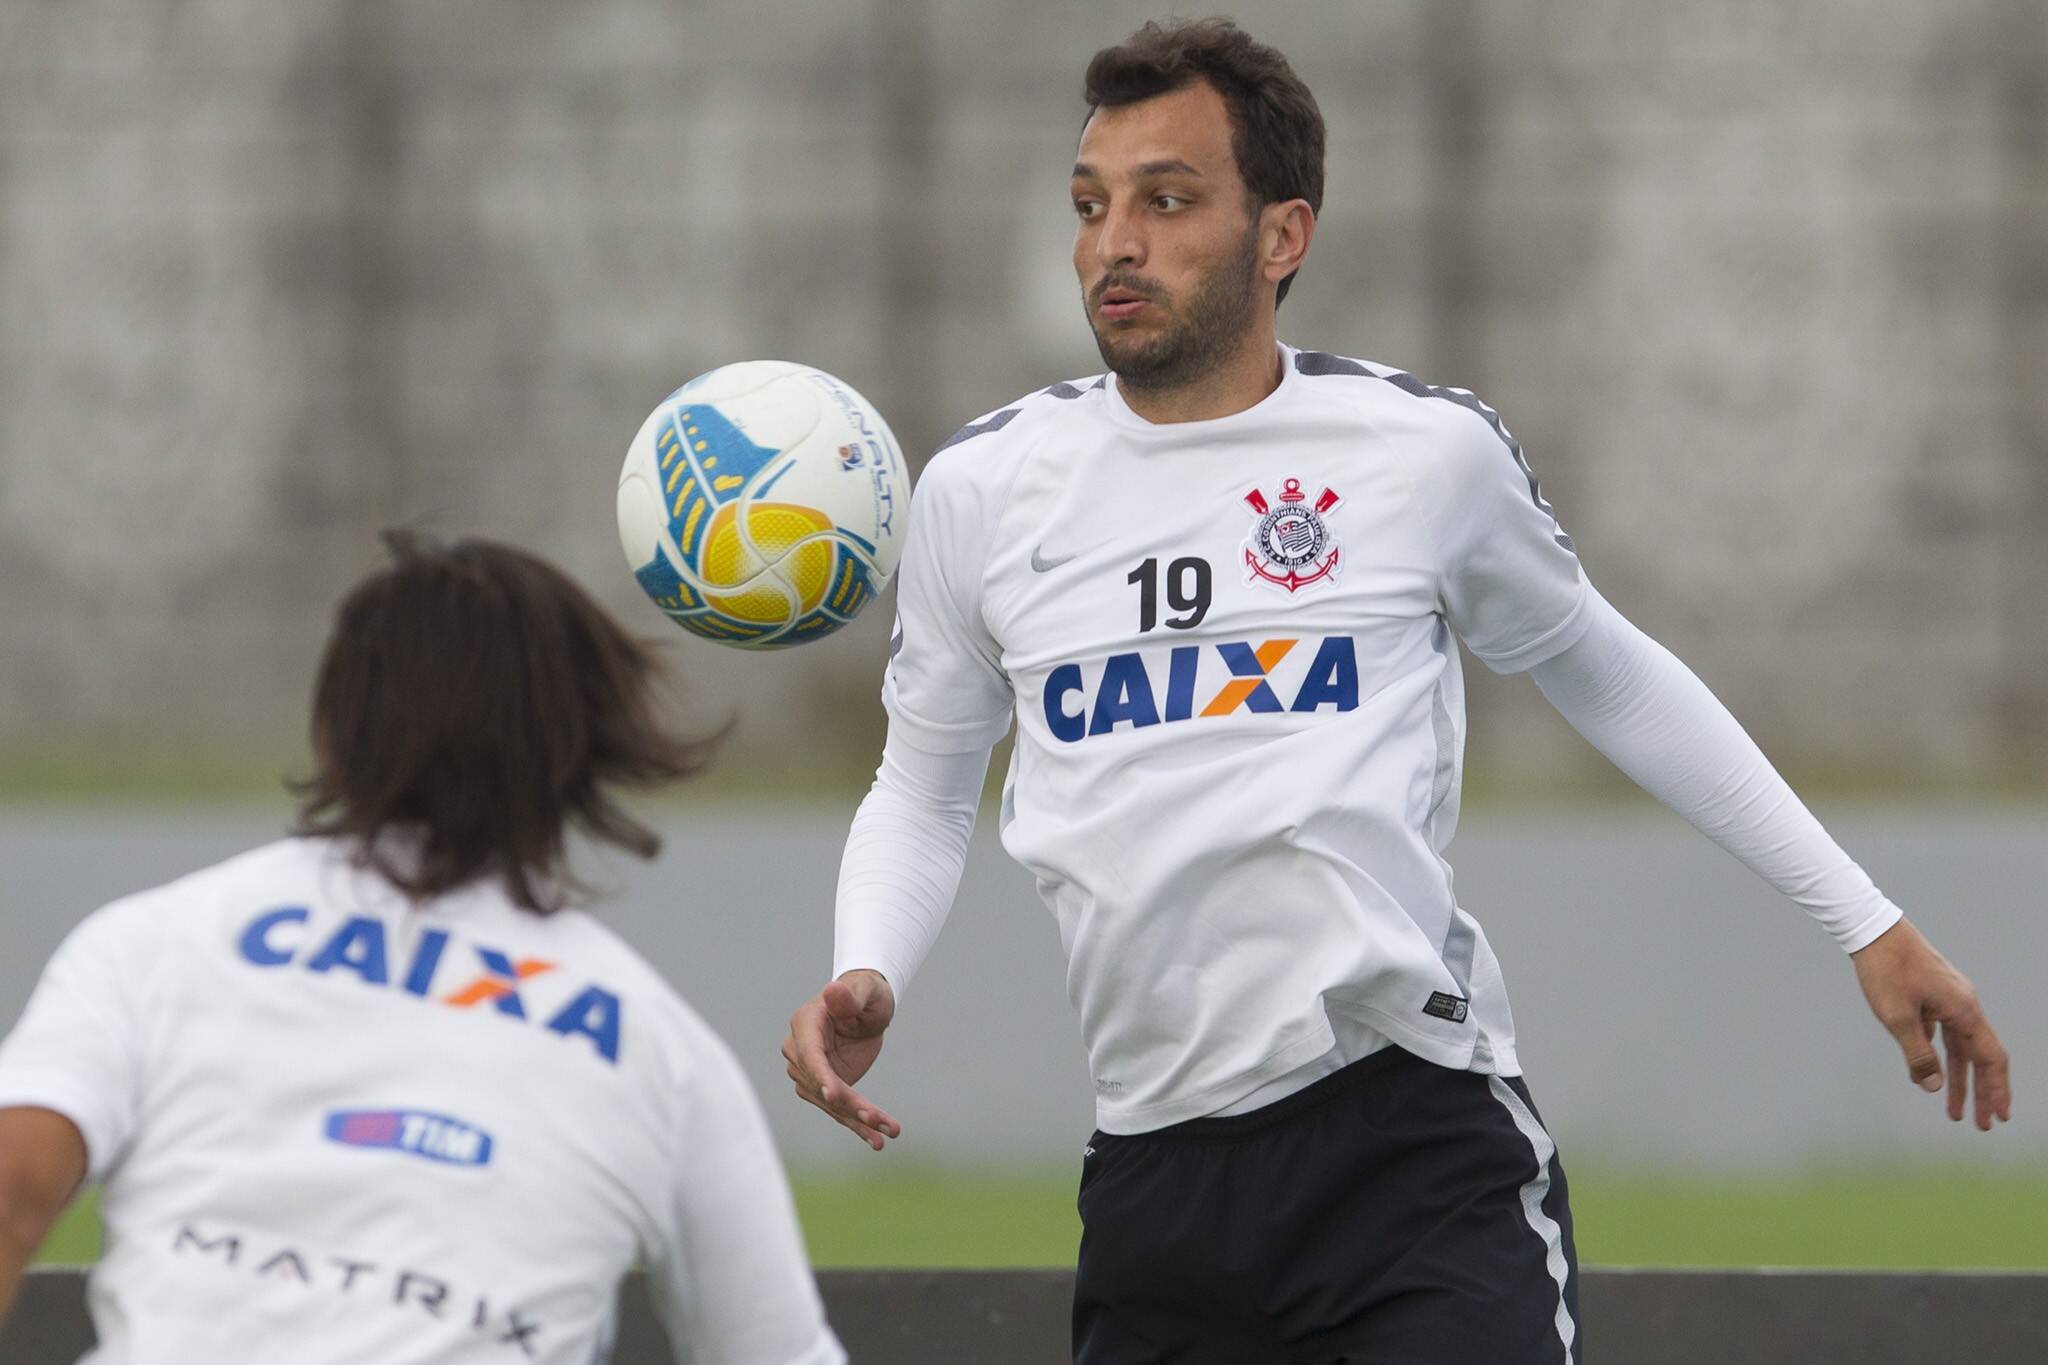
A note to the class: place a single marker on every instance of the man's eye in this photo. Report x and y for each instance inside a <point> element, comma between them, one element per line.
<point>1087,208</point>
<point>1169,202</point>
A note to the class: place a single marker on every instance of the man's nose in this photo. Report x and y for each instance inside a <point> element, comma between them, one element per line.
<point>1122,241</point>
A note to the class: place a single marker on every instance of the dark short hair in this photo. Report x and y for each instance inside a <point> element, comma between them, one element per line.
<point>1276,128</point>
<point>473,702</point>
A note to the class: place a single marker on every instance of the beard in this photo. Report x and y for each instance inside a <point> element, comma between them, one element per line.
<point>1202,336</point>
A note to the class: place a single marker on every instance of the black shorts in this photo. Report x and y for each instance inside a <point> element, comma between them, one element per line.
<point>1392,1213</point>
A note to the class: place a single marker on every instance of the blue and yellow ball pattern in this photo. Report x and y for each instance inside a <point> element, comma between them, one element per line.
<point>762,505</point>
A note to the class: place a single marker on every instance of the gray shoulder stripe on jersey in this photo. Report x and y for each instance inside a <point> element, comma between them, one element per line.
<point>1321,362</point>
<point>1446,734</point>
<point>995,422</point>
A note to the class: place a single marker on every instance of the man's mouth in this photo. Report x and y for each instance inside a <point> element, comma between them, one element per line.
<point>1118,303</point>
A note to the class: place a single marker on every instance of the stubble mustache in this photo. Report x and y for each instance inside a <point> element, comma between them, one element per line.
<point>1149,290</point>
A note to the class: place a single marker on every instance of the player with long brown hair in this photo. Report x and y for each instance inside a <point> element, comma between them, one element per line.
<point>381,1092</point>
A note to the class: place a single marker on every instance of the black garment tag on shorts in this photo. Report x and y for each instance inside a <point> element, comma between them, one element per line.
<point>1446,1006</point>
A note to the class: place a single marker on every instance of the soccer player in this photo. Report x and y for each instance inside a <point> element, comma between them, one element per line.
<point>1217,589</point>
<point>377,1093</point>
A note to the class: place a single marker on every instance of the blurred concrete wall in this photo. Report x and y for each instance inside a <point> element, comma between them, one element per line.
<point>1764,291</point>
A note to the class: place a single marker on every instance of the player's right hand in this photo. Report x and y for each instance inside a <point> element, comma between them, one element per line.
<point>834,1037</point>
<point>1912,989</point>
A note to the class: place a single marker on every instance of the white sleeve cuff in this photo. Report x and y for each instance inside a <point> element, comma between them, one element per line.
<point>944,737</point>
<point>1858,937</point>
<point>1548,645</point>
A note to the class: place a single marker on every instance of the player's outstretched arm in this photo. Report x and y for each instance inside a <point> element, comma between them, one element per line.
<point>834,1037</point>
<point>948,702</point>
<point>1913,990</point>
<point>42,1164</point>
<point>903,860</point>
<point>1659,724</point>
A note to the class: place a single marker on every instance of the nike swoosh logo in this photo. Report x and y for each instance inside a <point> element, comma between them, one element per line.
<point>1040,564</point>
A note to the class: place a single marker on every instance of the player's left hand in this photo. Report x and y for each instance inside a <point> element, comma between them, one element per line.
<point>1912,989</point>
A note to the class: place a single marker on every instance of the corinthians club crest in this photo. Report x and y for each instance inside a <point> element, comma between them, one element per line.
<point>1290,547</point>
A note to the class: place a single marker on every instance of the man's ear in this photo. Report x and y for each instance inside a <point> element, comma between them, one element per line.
<point>1285,230</point>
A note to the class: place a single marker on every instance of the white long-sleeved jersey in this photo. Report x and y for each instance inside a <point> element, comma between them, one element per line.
<point>337,1127</point>
<point>1227,648</point>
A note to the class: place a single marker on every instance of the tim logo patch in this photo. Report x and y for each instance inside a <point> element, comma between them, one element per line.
<point>432,1137</point>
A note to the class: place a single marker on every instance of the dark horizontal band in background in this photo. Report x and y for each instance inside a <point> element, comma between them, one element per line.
<point>1630,1317</point>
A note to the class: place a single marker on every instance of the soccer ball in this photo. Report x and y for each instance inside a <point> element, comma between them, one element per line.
<point>763,504</point>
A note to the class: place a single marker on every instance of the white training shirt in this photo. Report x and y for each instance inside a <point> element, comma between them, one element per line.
<point>334,1127</point>
<point>1238,815</point>
<point>1238,820</point>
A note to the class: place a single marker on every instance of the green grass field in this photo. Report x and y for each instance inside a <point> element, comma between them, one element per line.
<point>1906,1220</point>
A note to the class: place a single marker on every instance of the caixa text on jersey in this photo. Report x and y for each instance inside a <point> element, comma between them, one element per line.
<point>357,947</point>
<point>1159,686</point>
